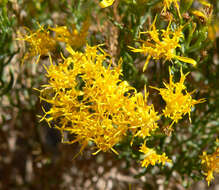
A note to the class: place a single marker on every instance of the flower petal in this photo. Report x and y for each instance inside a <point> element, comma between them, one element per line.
<point>186,60</point>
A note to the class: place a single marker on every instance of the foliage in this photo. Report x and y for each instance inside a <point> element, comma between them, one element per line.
<point>6,49</point>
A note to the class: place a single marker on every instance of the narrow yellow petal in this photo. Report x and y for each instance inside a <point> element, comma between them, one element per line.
<point>186,60</point>
<point>153,24</point>
<point>95,153</point>
<point>114,151</point>
<point>199,14</point>
<point>146,63</point>
<point>70,50</point>
<point>177,7</point>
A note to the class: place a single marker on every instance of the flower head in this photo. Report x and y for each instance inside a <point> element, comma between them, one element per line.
<point>178,101</point>
<point>211,164</point>
<point>40,43</point>
<point>74,37</point>
<point>162,46</point>
<point>151,157</point>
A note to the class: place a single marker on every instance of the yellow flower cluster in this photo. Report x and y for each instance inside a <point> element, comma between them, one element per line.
<point>89,101</point>
<point>151,157</point>
<point>178,101</point>
<point>93,103</point>
<point>74,37</point>
<point>165,48</point>
<point>211,164</point>
<point>42,43</point>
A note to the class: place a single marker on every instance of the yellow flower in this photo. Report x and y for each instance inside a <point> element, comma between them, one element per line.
<point>143,121</point>
<point>179,102</point>
<point>106,3</point>
<point>74,37</point>
<point>91,102</point>
<point>211,164</point>
<point>168,3</point>
<point>40,43</point>
<point>165,48</point>
<point>151,157</point>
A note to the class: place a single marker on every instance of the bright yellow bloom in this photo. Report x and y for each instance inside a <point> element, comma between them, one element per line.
<point>91,102</point>
<point>168,3</point>
<point>211,164</point>
<point>74,38</point>
<point>179,102</point>
<point>40,43</point>
<point>165,48</point>
<point>106,3</point>
<point>143,121</point>
<point>151,157</point>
